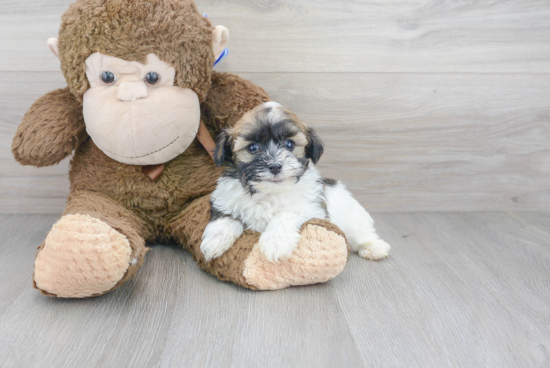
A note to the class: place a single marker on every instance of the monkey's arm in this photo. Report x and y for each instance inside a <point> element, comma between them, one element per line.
<point>228,99</point>
<point>50,130</point>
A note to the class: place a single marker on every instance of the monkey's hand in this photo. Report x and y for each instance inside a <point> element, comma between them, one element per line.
<point>50,130</point>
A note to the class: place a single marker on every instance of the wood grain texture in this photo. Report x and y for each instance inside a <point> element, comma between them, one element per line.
<point>401,142</point>
<point>333,36</point>
<point>459,290</point>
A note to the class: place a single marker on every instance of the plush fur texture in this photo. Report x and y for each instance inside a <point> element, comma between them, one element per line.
<point>321,256</point>
<point>271,187</point>
<point>129,205</point>
<point>50,130</point>
<point>173,30</point>
<point>136,122</point>
<point>322,259</point>
<point>100,252</point>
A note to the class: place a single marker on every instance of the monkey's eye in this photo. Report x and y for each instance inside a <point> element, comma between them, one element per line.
<point>152,78</point>
<point>108,78</point>
<point>252,148</point>
<point>289,145</point>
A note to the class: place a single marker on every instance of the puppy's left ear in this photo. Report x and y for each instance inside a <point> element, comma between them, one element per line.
<point>314,148</point>
<point>223,152</point>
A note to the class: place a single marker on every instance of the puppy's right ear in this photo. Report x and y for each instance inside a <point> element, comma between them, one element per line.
<point>223,152</point>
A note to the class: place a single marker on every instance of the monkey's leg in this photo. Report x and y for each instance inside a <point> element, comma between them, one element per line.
<point>320,256</point>
<point>95,247</point>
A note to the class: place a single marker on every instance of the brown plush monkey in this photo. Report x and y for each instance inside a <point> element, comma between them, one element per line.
<point>139,81</point>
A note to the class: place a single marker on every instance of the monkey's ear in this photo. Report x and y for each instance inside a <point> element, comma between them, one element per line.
<point>220,38</point>
<point>314,148</point>
<point>223,152</point>
<point>52,45</point>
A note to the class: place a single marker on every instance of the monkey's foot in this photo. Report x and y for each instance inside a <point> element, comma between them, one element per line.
<point>320,256</point>
<point>82,256</point>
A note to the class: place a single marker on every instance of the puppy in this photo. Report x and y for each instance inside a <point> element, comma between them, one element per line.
<point>271,186</point>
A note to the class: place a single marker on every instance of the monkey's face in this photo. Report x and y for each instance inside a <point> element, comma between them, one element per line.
<point>141,70</point>
<point>134,113</point>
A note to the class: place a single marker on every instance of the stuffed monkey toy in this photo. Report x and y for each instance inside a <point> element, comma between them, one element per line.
<point>140,86</point>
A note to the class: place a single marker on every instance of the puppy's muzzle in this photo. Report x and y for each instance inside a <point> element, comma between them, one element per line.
<point>274,168</point>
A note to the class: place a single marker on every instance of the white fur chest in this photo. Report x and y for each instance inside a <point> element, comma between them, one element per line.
<point>256,211</point>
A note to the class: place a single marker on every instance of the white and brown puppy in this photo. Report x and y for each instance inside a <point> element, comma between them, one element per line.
<point>271,187</point>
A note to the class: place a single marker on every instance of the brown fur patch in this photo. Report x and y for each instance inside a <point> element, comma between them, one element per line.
<point>301,142</point>
<point>228,99</point>
<point>173,30</point>
<point>50,130</point>
<point>254,120</point>
<point>249,122</point>
<point>188,228</point>
<point>239,150</point>
<point>300,139</point>
<point>240,144</point>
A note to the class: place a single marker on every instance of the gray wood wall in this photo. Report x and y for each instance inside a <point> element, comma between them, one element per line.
<point>423,105</point>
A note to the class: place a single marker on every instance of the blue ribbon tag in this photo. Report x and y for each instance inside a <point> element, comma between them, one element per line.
<point>224,52</point>
<point>222,56</point>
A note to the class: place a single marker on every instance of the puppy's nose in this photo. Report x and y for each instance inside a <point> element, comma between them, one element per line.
<point>274,168</point>
<point>130,91</point>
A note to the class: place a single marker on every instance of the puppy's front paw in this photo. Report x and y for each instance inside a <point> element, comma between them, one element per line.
<point>374,250</point>
<point>219,236</point>
<point>277,247</point>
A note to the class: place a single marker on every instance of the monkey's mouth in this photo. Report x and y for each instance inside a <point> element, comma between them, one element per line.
<point>140,156</point>
<point>149,131</point>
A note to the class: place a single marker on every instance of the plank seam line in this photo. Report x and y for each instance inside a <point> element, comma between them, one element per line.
<point>355,345</point>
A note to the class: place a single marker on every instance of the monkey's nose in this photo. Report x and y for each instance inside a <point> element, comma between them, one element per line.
<point>274,168</point>
<point>130,91</point>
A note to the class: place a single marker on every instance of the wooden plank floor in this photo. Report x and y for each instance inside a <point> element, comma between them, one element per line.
<point>459,290</point>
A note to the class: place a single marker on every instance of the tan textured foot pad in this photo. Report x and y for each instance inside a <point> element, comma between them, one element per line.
<point>82,256</point>
<point>320,256</point>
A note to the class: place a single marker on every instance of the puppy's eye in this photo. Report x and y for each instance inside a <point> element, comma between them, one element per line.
<point>289,145</point>
<point>108,78</point>
<point>252,148</point>
<point>152,78</point>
